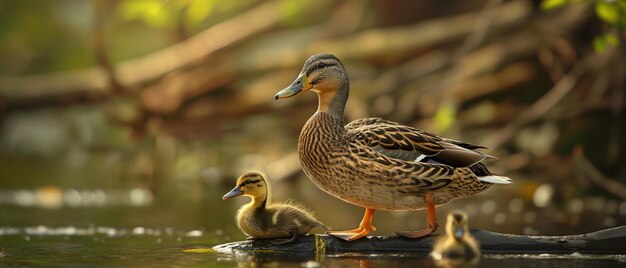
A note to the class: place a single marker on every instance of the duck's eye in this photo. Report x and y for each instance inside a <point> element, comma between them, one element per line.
<point>321,65</point>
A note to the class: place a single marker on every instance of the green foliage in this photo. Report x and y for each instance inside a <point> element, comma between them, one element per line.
<point>602,42</point>
<point>611,12</point>
<point>444,117</point>
<point>550,4</point>
<point>163,14</point>
<point>293,10</point>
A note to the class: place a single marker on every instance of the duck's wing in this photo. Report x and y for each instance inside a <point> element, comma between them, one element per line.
<point>411,144</point>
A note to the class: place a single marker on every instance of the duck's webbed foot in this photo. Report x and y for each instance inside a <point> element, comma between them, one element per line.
<point>431,216</point>
<point>365,227</point>
<point>417,234</point>
<point>295,234</point>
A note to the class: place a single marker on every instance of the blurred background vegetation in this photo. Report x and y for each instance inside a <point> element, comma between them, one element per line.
<point>143,113</point>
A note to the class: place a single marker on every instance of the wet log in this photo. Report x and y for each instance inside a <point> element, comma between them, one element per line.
<point>608,241</point>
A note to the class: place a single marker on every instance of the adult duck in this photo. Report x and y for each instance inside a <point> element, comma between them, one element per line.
<point>378,164</point>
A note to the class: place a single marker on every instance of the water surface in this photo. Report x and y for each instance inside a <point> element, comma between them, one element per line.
<point>43,246</point>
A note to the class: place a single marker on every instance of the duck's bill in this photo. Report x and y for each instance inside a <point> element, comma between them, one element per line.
<point>234,192</point>
<point>293,89</point>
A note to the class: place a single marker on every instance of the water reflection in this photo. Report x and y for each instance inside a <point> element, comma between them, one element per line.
<point>53,197</point>
<point>93,231</point>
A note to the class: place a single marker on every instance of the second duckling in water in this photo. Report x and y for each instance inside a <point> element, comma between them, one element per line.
<point>458,244</point>
<point>258,219</point>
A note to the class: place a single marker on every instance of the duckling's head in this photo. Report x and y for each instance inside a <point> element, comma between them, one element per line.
<point>249,184</point>
<point>321,73</point>
<point>456,225</point>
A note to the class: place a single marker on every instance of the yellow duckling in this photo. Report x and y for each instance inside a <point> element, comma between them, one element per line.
<point>457,245</point>
<point>258,219</point>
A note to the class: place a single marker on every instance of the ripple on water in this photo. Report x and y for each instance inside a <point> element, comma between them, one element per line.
<point>65,231</point>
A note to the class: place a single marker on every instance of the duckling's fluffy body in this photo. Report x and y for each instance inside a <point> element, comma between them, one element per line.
<point>261,219</point>
<point>458,243</point>
<point>276,220</point>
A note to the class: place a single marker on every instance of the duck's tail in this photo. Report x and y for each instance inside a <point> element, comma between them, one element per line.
<point>496,179</point>
<point>485,175</point>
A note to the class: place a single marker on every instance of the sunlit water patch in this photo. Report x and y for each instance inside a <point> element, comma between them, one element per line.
<point>55,197</point>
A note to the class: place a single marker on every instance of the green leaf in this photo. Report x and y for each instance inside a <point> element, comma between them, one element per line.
<point>292,10</point>
<point>602,42</point>
<point>598,44</point>
<point>608,12</point>
<point>611,39</point>
<point>444,117</point>
<point>550,4</point>
<point>198,10</point>
<point>152,12</point>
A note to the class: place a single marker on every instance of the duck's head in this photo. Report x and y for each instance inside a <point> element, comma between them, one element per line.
<point>249,184</point>
<point>323,74</point>
<point>456,225</point>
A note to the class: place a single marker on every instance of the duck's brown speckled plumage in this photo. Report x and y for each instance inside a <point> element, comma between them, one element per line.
<point>342,162</point>
<point>379,164</point>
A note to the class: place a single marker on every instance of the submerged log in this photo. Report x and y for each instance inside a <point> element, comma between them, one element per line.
<point>608,241</point>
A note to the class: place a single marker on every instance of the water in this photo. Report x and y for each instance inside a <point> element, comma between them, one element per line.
<point>118,225</point>
<point>70,246</point>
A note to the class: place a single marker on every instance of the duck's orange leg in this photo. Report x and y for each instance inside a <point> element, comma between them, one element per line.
<point>365,227</point>
<point>431,216</point>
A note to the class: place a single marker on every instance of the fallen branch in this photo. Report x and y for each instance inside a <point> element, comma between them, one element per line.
<point>542,106</point>
<point>195,58</point>
<point>609,241</point>
<point>26,90</point>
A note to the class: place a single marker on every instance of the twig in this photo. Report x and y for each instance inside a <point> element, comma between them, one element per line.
<point>549,100</point>
<point>99,46</point>
<point>617,105</point>
<point>480,28</point>
<point>608,184</point>
<point>539,108</point>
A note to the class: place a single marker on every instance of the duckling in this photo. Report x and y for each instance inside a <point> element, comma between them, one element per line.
<point>258,219</point>
<point>458,245</point>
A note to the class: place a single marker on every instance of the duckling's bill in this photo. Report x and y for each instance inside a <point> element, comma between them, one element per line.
<point>234,192</point>
<point>459,232</point>
<point>296,87</point>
